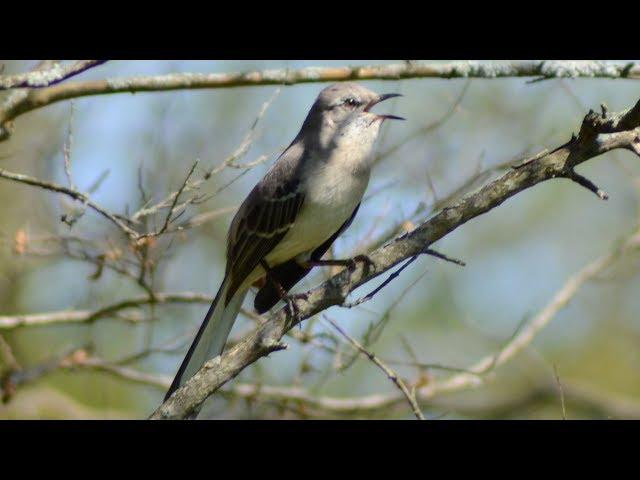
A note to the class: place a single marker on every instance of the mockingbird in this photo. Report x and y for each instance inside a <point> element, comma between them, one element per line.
<point>292,216</point>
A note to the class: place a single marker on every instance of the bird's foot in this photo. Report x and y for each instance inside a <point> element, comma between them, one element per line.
<point>368,263</point>
<point>294,311</point>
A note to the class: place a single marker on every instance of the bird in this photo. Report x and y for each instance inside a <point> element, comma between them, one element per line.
<point>289,220</point>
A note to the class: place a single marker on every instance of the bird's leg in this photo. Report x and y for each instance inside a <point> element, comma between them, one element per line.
<point>274,281</point>
<point>350,263</point>
<point>282,293</point>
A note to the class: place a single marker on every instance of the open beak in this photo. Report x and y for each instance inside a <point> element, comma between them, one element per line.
<point>382,98</point>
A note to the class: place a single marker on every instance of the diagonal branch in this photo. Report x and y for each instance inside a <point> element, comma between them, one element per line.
<point>599,134</point>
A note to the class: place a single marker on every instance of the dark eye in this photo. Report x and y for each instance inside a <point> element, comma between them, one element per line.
<point>351,102</point>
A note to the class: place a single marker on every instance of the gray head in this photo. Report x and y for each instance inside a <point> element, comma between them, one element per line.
<point>340,105</point>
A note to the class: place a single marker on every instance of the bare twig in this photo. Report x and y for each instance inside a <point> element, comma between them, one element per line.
<point>127,373</point>
<point>375,329</point>
<point>429,128</point>
<point>66,149</point>
<point>386,282</point>
<point>391,375</point>
<point>245,144</point>
<point>76,195</point>
<point>561,390</point>
<point>45,78</point>
<point>229,162</point>
<point>175,199</point>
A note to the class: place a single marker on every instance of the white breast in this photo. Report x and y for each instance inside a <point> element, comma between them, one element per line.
<point>333,188</point>
<point>332,192</point>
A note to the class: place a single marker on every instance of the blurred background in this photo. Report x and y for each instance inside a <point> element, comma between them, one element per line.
<point>431,323</point>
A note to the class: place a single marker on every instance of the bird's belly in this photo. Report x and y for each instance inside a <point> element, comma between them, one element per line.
<point>329,202</point>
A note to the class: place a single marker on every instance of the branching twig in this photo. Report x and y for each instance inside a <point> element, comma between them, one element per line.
<point>45,78</point>
<point>76,195</point>
<point>175,199</point>
<point>427,129</point>
<point>230,161</point>
<point>391,375</point>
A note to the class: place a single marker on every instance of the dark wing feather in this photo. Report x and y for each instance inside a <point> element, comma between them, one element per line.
<point>264,217</point>
<point>290,273</point>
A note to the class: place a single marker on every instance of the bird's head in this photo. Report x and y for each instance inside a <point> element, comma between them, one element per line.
<point>340,105</point>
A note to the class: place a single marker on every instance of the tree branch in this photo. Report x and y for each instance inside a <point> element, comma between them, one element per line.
<point>598,134</point>
<point>474,376</point>
<point>9,322</point>
<point>391,375</point>
<point>74,194</point>
<point>45,78</point>
<point>309,404</point>
<point>541,70</point>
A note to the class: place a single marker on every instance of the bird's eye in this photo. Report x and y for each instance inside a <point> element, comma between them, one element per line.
<point>351,102</point>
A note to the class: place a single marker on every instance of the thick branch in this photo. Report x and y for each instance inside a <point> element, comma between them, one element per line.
<point>15,106</point>
<point>45,78</point>
<point>559,163</point>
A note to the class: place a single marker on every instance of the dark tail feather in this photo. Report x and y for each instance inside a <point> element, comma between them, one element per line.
<point>211,336</point>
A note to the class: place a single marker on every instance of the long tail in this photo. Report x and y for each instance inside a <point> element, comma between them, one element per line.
<point>211,336</point>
